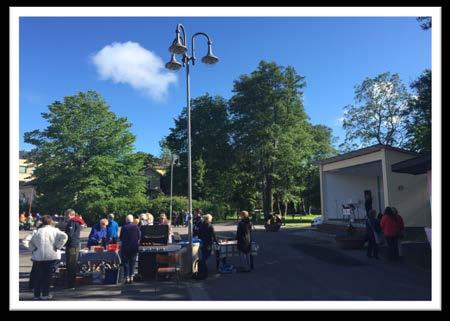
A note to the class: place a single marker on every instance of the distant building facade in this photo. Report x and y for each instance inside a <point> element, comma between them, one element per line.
<point>154,175</point>
<point>27,191</point>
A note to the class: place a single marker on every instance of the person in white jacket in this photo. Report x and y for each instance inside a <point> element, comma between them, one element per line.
<point>45,245</point>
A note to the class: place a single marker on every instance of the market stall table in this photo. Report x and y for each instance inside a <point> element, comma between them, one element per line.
<point>147,258</point>
<point>228,248</point>
<point>104,264</point>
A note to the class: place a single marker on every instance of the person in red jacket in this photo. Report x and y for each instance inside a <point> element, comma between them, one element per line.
<point>392,226</point>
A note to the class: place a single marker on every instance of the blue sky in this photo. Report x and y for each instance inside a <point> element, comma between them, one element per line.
<point>334,54</point>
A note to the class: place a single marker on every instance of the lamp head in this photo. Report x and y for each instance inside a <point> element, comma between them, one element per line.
<point>177,46</point>
<point>210,58</point>
<point>173,64</point>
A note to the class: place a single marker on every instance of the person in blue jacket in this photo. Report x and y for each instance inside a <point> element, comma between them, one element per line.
<point>112,230</point>
<point>98,234</point>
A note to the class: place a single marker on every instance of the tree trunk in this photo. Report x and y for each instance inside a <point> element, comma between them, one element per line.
<point>267,196</point>
<point>303,206</point>
<point>285,212</point>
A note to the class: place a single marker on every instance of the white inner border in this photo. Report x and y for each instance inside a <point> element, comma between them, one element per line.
<point>434,12</point>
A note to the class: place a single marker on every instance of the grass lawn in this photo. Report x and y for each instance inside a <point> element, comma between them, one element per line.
<point>297,221</point>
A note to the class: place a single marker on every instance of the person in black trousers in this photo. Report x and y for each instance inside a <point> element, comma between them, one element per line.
<point>130,235</point>
<point>208,236</point>
<point>244,238</point>
<point>372,228</point>
<point>72,230</point>
<point>45,245</point>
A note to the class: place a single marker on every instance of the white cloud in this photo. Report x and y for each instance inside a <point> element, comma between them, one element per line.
<point>131,64</point>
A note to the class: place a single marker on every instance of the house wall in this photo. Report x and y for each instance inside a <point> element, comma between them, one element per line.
<point>408,193</point>
<point>339,188</point>
<point>25,177</point>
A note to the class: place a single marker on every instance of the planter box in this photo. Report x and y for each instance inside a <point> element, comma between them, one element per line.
<point>349,242</point>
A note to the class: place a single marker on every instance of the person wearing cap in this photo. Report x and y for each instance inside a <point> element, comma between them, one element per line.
<point>112,230</point>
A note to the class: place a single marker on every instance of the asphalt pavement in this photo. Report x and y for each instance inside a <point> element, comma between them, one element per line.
<point>292,264</point>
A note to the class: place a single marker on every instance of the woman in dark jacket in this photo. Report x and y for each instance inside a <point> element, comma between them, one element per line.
<point>244,237</point>
<point>208,236</point>
<point>372,229</point>
<point>129,237</point>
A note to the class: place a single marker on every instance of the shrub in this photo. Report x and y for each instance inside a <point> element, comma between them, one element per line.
<point>180,203</point>
<point>120,206</point>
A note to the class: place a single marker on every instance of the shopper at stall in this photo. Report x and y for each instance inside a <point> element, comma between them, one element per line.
<point>130,235</point>
<point>112,231</point>
<point>98,234</point>
<point>150,219</point>
<point>81,220</point>
<point>208,236</point>
<point>45,246</point>
<point>244,238</point>
<point>72,230</point>
<point>392,226</point>
<point>163,219</point>
<point>143,219</point>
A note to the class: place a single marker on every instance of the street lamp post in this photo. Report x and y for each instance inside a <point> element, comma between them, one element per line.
<point>173,158</point>
<point>179,47</point>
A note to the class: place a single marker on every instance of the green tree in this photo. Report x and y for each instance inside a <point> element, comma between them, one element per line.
<point>198,178</point>
<point>425,22</point>
<point>211,149</point>
<point>269,129</point>
<point>418,115</point>
<point>85,158</point>
<point>322,148</point>
<point>379,114</point>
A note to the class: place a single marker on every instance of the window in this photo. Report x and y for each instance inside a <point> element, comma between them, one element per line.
<point>22,169</point>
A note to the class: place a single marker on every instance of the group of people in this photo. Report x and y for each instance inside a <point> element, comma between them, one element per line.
<point>47,241</point>
<point>28,221</point>
<point>387,225</point>
<point>204,230</point>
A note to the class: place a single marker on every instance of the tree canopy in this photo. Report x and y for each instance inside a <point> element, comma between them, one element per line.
<point>418,114</point>
<point>379,114</point>
<point>85,158</point>
<point>256,147</point>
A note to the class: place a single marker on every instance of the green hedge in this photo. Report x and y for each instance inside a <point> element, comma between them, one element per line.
<point>124,206</point>
<point>180,203</point>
